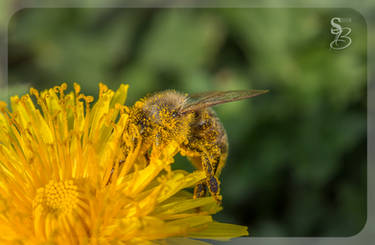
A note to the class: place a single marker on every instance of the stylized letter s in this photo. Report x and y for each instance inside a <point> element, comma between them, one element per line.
<point>336,28</point>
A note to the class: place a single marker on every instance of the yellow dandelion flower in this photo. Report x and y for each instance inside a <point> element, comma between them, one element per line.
<point>71,174</point>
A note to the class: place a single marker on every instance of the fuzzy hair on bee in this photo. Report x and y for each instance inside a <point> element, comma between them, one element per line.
<point>189,121</point>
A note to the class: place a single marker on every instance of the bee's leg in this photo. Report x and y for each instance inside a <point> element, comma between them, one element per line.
<point>113,170</point>
<point>214,188</point>
<point>200,189</point>
<point>211,180</point>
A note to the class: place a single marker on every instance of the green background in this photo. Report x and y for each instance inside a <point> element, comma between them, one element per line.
<point>297,161</point>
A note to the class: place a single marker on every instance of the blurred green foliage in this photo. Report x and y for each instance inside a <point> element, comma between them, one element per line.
<point>297,162</point>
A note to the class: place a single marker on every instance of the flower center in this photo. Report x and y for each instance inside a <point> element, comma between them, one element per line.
<point>58,196</point>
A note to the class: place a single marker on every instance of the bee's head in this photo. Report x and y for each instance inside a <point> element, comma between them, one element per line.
<point>163,111</point>
<point>165,106</point>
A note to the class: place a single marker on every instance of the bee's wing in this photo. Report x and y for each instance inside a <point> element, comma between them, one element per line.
<point>208,99</point>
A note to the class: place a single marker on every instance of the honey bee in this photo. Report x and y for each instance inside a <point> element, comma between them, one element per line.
<point>192,123</point>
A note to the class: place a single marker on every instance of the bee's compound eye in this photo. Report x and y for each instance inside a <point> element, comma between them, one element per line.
<point>174,114</point>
